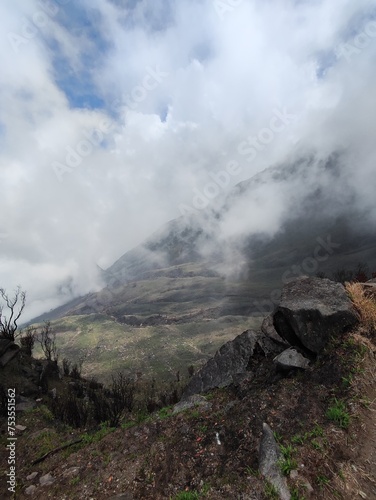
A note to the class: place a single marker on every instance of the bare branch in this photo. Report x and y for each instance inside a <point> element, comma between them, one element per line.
<point>8,327</point>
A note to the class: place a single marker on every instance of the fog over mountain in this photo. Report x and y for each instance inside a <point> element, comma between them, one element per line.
<point>119,116</point>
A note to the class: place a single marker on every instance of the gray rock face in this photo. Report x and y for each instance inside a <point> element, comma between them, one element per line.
<point>269,455</point>
<point>311,310</point>
<point>291,358</point>
<point>231,359</point>
<point>269,330</point>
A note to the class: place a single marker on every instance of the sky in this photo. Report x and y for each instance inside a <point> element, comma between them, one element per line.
<point>117,116</point>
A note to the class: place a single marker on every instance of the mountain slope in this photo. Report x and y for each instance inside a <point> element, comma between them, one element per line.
<point>221,265</point>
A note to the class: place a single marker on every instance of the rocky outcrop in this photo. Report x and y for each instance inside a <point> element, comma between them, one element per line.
<point>269,457</point>
<point>311,310</point>
<point>231,359</point>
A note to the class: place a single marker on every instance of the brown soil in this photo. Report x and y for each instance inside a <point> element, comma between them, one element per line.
<point>169,454</point>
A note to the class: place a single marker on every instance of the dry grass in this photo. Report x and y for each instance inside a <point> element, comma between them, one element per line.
<point>366,305</point>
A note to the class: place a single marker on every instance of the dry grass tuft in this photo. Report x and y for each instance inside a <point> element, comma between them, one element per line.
<point>366,305</point>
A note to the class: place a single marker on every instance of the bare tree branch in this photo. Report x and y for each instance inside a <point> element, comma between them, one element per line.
<point>16,305</point>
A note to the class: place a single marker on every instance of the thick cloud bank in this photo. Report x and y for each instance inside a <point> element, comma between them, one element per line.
<point>117,116</point>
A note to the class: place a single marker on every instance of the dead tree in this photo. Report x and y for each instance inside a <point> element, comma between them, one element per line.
<point>8,319</point>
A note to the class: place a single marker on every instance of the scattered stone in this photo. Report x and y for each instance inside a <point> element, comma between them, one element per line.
<point>269,455</point>
<point>20,428</point>
<point>25,404</point>
<point>191,402</point>
<point>30,490</point>
<point>123,496</point>
<point>72,472</point>
<point>32,476</point>
<point>294,474</point>
<point>307,485</point>
<point>46,480</point>
<point>231,359</point>
<point>311,310</point>
<point>290,359</point>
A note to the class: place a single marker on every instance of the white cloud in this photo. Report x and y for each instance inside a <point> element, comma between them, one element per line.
<point>222,79</point>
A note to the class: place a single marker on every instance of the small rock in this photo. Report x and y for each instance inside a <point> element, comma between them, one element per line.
<point>21,428</point>
<point>294,474</point>
<point>25,406</point>
<point>291,358</point>
<point>191,402</point>
<point>30,490</point>
<point>46,480</point>
<point>307,486</point>
<point>72,472</point>
<point>123,496</point>
<point>32,476</point>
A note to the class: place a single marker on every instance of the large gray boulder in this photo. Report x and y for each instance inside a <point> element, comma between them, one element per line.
<point>231,359</point>
<point>311,310</point>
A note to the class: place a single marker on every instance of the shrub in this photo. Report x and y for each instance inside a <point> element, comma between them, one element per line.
<point>71,409</point>
<point>76,370</point>
<point>366,306</point>
<point>47,340</point>
<point>15,305</point>
<point>28,340</point>
<point>66,367</point>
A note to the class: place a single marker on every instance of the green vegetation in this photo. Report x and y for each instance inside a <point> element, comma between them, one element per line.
<point>296,495</point>
<point>187,495</point>
<point>338,414</point>
<point>98,435</point>
<point>270,491</point>
<point>287,463</point>
<point>322,480</point>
